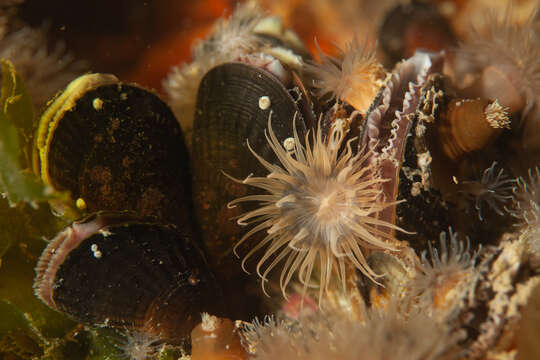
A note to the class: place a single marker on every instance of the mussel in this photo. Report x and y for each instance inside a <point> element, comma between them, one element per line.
<point>395,130</point>
<point>234,104</point>
<point>115,146</point>
<point>232,115</point>
<point>117,269</point>
<point>119,152</point>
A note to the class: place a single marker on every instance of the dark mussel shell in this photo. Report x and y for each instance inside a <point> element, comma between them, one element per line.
<point>228,116</point>
<point>115,146</point>
<point>115,269</point>
<point>425,209</point>
<point>412,26</point>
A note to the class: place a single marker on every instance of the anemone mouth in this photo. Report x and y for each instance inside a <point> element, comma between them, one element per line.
<point>319,210</point>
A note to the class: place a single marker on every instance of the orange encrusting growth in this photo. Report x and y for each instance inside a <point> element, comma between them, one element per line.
<point>216,339</point>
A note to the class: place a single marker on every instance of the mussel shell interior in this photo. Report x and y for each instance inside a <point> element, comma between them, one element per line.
<point>133,274</point>
<point>119,147</point>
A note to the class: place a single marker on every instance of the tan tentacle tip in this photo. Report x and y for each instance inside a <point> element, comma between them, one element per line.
<point>245,181</point>
<point>209,322</point>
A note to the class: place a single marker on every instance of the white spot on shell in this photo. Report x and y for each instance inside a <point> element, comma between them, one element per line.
<point>97,104</point>
<point>416,189</point>
<point>81,204</point>
<point>95,251</point>
<point>264,102</point>
<point>288,144</point>
<point>423,160</point>
<point>105,232</point>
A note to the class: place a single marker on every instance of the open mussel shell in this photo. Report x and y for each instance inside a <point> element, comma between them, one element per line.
<point>115,146</point>
<point>234,105</point>
<point>115,269</point>
<point>395,131</point>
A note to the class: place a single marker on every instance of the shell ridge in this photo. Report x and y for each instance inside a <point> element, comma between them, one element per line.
<point>375,118</point>
<point>414,72</point>
<point>402,93</point>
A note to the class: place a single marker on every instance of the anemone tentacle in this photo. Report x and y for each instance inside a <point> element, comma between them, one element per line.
<point>319,210</point>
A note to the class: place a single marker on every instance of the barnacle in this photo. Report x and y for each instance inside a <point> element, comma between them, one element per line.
<point>321,207</point>
<point>470,125</point>
<point>355,76</point>
<point>448,268</point>
<point>493,189</point>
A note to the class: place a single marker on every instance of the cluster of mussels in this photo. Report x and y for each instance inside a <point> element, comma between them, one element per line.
<point>339,172</point>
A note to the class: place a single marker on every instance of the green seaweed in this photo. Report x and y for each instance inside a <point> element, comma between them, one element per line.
<point>169,352</point>
<point>28,328</point>
<point>17,182</point>
<point>103,345</point>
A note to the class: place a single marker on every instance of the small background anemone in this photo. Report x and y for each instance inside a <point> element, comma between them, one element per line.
<point>138,345</point>
<point>44,68</point>
<point>354,76</point>
<point>527,209</point>
<point>323,336</point>
<point>494,189</point>
<point>449,268</point>
<point>527,199</point>
<point>512,48</point>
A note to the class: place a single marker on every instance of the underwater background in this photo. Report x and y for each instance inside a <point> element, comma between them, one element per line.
<point>279,179</point>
